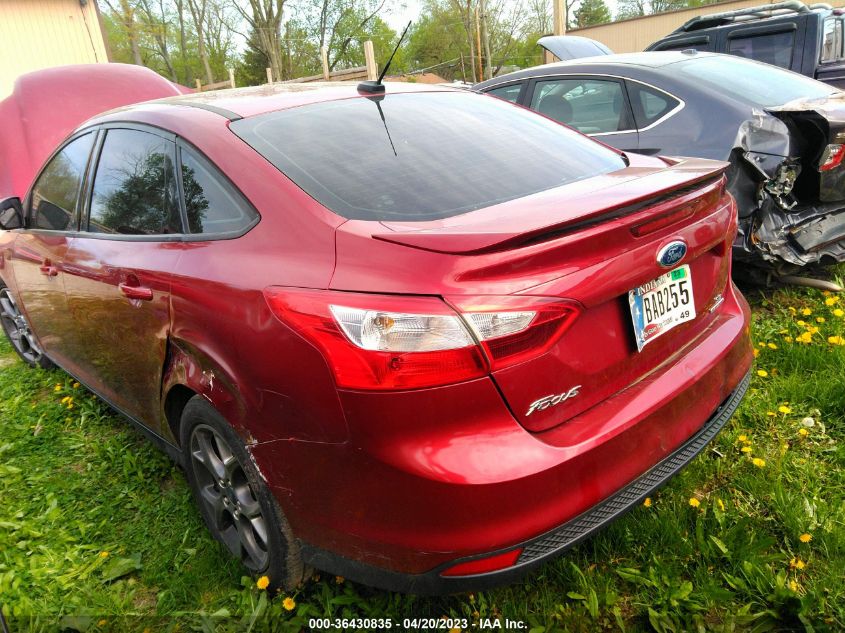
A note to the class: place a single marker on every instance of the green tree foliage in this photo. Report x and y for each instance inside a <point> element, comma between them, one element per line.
<point>592,12</point>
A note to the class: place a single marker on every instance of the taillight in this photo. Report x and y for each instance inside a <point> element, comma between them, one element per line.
<point>405,342</point>
<point>832,157</point>
<point>514,328</point>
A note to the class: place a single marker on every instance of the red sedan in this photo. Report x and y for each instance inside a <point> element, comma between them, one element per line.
<point>425,339</point>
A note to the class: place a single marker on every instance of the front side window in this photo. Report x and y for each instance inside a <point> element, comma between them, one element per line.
<point>53,205</point>
<point>508,93</point>
<point>591,106</point>
<point>134,190</point>
<point>771,48</point>
<point>421,156</point>
<point>831,40</point>
<point>212,205</point>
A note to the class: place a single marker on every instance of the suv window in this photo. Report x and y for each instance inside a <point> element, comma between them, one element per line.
<point>650,104</point>
<point>831,40</point>
<point>771,48</point>
<point>591,106</point>
<point>421,156</point>
<point>134,189</point>
<point>53,204</point>
<point>211,203</point>
<point>508,93</point>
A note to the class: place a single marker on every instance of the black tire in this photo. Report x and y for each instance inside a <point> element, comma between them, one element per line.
<point>17,331</point>
<point>235,502</point>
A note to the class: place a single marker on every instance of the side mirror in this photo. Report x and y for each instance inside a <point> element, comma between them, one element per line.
<point>11,214</point>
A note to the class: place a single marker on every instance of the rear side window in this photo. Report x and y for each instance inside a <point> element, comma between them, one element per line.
<point>421,156</point>
<point>650,104</point>
<point>134,190</point>
<point>771,48</point>
<point>508,93</point>
<point>211,203</point>
<point>55,194</point>
<point>832,40</point>
<point>591,106</point>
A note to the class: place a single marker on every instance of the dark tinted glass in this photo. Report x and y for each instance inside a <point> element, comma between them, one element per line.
<point>212,205</point>
<point>590,106</point>
<point>421,156</point>
<point>55,193</point>
<point>508,93</point>
<point>650,104</point>
<point>134,187</point>
<point>771,48</point>
<point>749,82</point>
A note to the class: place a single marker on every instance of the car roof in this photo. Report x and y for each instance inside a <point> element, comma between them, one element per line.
<point>656,59</point>
<point>239,103</point>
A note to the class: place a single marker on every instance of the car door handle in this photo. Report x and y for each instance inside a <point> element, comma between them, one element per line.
<point>136,292</point>
<point>48,269</point>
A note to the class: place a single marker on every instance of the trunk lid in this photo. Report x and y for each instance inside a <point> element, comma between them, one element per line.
<point>589,246</point>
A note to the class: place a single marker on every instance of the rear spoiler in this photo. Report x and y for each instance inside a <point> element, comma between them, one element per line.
<point>557,212</point>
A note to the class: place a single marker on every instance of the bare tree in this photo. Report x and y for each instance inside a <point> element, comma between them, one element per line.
<point>198,10</point>
<point>125,13</point>
<point>265,19</point>
<point>157,24</point>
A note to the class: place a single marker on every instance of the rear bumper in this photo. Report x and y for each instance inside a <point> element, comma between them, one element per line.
<point>547,546</point>
<point>434,477</point>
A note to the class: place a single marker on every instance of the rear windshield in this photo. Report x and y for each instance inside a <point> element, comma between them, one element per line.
<point>750,82</point>
<point>421,156</point>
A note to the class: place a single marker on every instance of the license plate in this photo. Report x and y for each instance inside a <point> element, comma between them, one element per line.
<point>661,304</point>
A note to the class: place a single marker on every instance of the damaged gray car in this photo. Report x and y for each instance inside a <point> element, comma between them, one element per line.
<point>783,134</point>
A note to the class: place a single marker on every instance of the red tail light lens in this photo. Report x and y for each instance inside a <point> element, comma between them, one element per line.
<point>549,319</point>
<point>832,157</point>
<point>404,342</point>
<point>382,341</point>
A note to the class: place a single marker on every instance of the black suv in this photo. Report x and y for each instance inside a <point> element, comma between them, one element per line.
<point>792,35</point>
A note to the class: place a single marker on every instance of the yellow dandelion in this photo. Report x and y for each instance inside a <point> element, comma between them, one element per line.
<point>743,438</point>
<point>746,449</point>
<point>836,340</point>
<point>76,385</point>
<point>759,463</point>
<point>101,623</point>
<point>806,337</point>
<point>65,399</point>
<point>820,319</point>
<point>788,339</point>
<point>793,585</point>
<point>762,373</point>
<point>647,502</point>
<point>797,563</point>
<point>831,301</point>
<point>803,432</point>
<point>104,554</point>
<point>289,604</point>
<point>772,346</point>
<point>801,323</point>
<point>784,409</point>
<point>263,582</point>
<point>762,344</point>
<point>694,502</point>
<point>839,312</point>
<point>806,312</point>
<point>812,329</point>
<point>771,413</point>
<point>756,352</point>
<point>792,310</point>
<point>721,504</point>
<point>57,388</point>
<point>339,580</point>
<point>805,538</point>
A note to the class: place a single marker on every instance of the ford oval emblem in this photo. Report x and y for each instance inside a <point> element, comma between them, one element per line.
<point>671,254</point>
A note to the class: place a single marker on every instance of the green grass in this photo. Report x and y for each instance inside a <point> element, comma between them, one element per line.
<point>76,483</point>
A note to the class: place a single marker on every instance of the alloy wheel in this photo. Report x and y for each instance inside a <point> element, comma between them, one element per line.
<point>234,512</point>
<point>17,329</point>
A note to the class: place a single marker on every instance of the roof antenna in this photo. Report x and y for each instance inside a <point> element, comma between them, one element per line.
<point>376,87</point>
